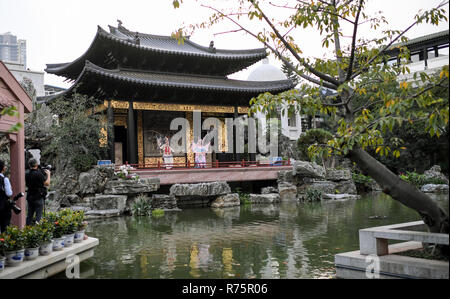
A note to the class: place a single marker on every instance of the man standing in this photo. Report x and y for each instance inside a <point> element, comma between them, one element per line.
<point>5,194</point>
<point>36,182</point>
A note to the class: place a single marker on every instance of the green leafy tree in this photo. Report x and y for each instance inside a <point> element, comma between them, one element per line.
<point>313,138</point>
<point>75,134</point>
<point>356,69</point>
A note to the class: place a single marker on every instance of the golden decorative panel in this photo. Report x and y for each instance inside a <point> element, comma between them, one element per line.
<point>179,107</point>
<point>140,137</point>
<point>173,107</point>
<point>118,104</point>
<point>190,137</point>
<point>243,110</point>
<point>153,161</point>
<point>103,141</point>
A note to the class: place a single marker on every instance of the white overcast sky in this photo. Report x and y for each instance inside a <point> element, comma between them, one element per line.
<point>62,30</point>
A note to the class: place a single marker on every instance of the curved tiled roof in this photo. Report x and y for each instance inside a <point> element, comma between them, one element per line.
<point>235,60</point>
<point>169,44</point>
<point>440,38</point>
<point>123,82</point>
<point>189,81</point>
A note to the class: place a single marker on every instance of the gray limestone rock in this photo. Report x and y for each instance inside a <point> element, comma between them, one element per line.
<point>435,173</point>
<point>434,188</point>
<point>322,185</point>
<point>287,192</point>
<point>308,169</point>
<point>286,176</point>
<point>347,186</point>
<point>338,174</point>
<point>264,198</point>
<point>200,189</point>
<point>102,213</point>
<point>163,201</point>
<point>225,201</point>
<point>268,190</point>
<point>108,202</point>
<point>143,185</point>
<point>340,197</point>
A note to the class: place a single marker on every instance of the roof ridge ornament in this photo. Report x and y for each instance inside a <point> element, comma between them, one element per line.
<point>211,47</point>
<point>137,40</point>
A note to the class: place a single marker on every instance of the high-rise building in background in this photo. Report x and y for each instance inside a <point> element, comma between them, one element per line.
<point>13,49</point>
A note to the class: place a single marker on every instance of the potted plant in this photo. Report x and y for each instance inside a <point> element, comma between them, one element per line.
<point>69,230</point>
<point>3,249</point>
<point>69,226</point>
<point>58,229</point>
<point>32,240</point>
<point>14,239</point>
<point>81,226</point>
<point>46,229</point>
<point>58,239</point>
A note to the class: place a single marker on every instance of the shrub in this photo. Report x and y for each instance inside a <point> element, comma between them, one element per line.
<point>58,224</point>
<point>362,179</point>
<point>3,244</point>
<point>313,195</point>
<point>14,238</point>
<point>83,162</point>
<point>419,180</point>
<point>46,229</point>
<point>79,219</point>
<point>32,236</point>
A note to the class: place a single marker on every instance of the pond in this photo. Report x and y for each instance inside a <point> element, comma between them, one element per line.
<point>286,240</point>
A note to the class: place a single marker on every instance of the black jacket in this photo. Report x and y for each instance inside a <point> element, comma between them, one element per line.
<point>34,180</point>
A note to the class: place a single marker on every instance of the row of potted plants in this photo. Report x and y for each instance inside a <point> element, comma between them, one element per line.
<point>54,232</point>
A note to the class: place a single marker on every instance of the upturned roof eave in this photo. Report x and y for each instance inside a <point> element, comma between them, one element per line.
<point>63,69</point>
<point>91,68</point>
<point>280,85</point>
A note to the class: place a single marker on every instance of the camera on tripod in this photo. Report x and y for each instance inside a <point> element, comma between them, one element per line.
<point>12,203</point>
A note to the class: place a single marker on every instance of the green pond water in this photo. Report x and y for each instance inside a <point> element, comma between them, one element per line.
<point>286,240</point>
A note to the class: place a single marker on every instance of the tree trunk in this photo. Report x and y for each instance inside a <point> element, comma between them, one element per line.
<point>432,214</point>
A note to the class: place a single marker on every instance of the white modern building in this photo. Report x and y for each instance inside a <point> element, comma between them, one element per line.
<point>428,53</point>
<point>20,72</point>
<point>291,126</point>
<point>13,49</point>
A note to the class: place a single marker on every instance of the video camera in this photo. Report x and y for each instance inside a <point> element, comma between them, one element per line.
<point>12,203</point>
<point>43,168</point>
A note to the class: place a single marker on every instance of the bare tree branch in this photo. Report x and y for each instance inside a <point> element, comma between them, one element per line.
<point>321,75</point>
<point>276,52</point>
<point>352,55</point>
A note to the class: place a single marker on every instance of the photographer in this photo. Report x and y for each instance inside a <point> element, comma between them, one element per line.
<point>36,181</point>
<point>5,194</point>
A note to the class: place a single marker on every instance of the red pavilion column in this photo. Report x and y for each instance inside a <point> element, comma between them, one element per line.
<point>17,177</point>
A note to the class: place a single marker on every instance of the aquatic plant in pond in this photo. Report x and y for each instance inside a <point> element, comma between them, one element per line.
<point>142,206</point>
<point>313,195</point>
<point>157,213</point>
<point>243,197</point>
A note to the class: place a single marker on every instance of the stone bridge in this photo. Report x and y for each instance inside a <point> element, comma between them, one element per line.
<point>228,174</point>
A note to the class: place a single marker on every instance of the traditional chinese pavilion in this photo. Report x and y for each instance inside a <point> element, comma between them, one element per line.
<point>144,81</point>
